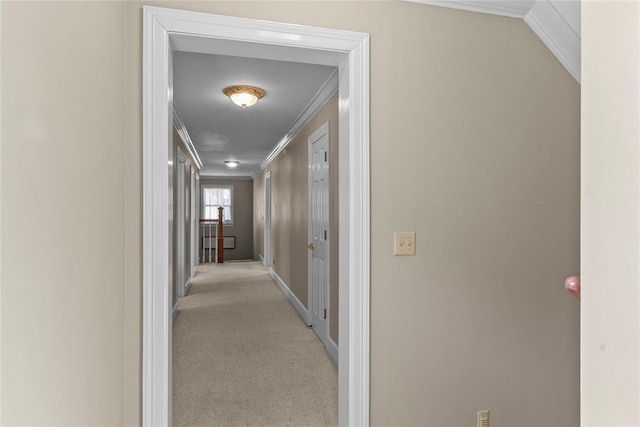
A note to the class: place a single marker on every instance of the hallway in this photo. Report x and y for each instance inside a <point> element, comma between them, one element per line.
<point>242,355</point>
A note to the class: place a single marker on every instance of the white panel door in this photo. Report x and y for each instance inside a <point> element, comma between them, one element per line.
<point>267,221</point>
<point>193,225</point>
<point>180,234</point>
<point>319,232</point>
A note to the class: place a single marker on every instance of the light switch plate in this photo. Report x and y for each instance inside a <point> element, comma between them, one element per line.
<point>404,243</point>
<point>483,418</point>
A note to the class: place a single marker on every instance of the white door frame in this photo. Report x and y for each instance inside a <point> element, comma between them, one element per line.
<point>267,221</point>
<point>180,220</point>
<point>192,225</point>
<point>354,241</point>
<point>197,244</point>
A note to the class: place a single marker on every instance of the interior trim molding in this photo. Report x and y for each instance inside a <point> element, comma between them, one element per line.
<point>293,299</point>
<point>184,135</point>
<point>332,348</point>
<point>556,33</point>
<point>319,100</point>
<point>187,286</point>
<point>354,189</point>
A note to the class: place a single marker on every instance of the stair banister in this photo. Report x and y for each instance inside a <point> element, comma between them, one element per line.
<point>220,242</point>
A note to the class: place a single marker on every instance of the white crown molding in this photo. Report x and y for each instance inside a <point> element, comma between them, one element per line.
<point>184,135</point>
<point>557,32</point>
<point>321,97</point>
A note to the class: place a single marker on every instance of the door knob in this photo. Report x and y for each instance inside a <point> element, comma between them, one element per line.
<point>310,246</point>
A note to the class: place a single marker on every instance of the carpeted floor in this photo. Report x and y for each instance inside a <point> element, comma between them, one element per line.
<point>243,357</point>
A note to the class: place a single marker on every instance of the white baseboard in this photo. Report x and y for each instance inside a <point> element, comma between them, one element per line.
<point>187,286</point>
<point>175,311</point>
<point>295,302</point>
<point>261,258</point>
<point>332,349</point>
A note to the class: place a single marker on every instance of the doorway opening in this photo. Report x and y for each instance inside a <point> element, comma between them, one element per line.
<point>349,51</point>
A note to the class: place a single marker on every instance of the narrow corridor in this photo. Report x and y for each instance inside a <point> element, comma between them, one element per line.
<point>243,357</point>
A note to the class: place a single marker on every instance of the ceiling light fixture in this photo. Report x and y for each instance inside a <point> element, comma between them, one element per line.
<point>244,96</point>
<point>231,164</point>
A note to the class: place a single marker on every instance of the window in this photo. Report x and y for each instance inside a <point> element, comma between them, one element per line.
<point>215,196</point>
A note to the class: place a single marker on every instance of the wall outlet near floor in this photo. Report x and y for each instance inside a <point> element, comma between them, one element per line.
<point>483,418</point>
<point>404,243</point>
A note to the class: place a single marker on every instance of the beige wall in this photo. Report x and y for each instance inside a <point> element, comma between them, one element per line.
<point>484,167</point>
<point>610,214</point>
<point>242,216</point>
<point>63,312</point>
<point>289,211</point>
<point>289,216</point>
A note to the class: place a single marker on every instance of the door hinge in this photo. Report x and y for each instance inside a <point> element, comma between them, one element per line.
<point>325,156</point>
<point>325,234</point>
<point>325,313</point>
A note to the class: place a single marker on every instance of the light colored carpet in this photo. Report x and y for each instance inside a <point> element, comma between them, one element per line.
<point>243,357</point>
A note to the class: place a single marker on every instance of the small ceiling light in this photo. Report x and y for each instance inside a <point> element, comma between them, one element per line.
<point>244,96</point>
<point>231,164</point>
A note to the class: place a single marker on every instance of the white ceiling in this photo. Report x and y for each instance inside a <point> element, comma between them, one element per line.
<point>556,22</point>
<point>191,43</point>
<point>219,129</point>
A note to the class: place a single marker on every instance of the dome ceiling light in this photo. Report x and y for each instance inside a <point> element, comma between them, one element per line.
<point>244,96</point>
<point>231,164</point>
